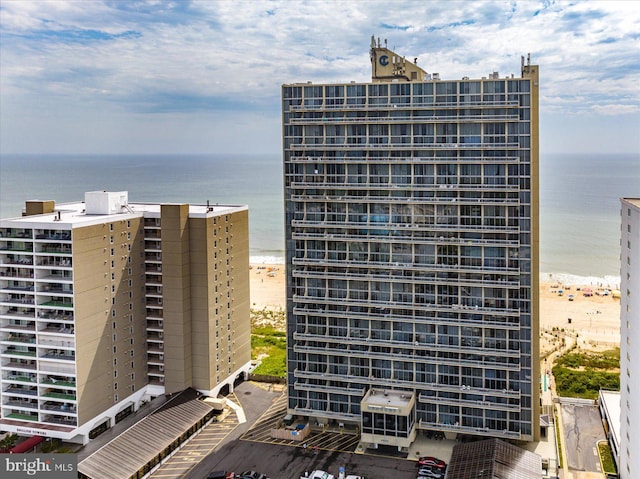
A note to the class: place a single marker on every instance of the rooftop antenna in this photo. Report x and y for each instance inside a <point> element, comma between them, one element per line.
<point>385,43</point>
<point>528,59</point>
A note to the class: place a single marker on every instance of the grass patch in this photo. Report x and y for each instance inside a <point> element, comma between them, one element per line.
<point>269,342</point>
<point>582,374</point>
<point>606,458</point>
<point>605,360</point>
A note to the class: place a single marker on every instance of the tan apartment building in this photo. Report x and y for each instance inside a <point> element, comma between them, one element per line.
<point>105,304</point>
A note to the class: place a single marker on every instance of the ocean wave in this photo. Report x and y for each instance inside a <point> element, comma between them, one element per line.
<point>611,282</point>
<point>266,259</point>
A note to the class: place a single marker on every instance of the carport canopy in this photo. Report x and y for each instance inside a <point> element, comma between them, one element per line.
<point>128,453</point>
<point>493,459</point>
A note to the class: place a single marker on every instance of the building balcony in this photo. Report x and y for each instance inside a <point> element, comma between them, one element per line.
<point>153,258</point>
<point>17,338</point>
<point>16,299</point>
<point>56,235</point>
<point>483,403</point>
<point>436,426</point>
<point>56,302</point>
<point>413,118</point>
<point>19,364</point>
<point>55,276</point>
<point>20,233</point>
<point>298,386</point>
<point>330,342</point>
<point>407,303</point>
<point>17,313</point>
<point>439,268</point>
<point>19,415</point>
<point>55,314</point>
<point>19,351</point>
<point>405,146</point>
<point>65,408</point>
<point>17,273</point>
<point>59,381</point>
<point>57,354</point>
<point>54,249</point>
<point>457,105</point>
<point>20,403</point>
<point>11,286</point>
<point>418,273</point>
<point>20,391</point>
<point>15,247</point>
<point>153,291</point>
<point>154,325</point>
<point>57,289</point>
<point>57,343</point>
<point>59,394</point>
<point>54,262</point>
<point>16,260</point>
<point>48,366</point>
<point>18,377</point>
<point>409,158</point>
<point>64,420</point>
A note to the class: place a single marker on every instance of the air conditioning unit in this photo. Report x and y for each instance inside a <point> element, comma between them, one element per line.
<point>161,368</point>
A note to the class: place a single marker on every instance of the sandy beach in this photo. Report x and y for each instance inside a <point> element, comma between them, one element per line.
<point>595,318</point>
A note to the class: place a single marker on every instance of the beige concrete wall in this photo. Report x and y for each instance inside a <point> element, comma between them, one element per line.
<point>221,340</point>
<point>202,309</point>
<point>109,314</point>
<point>239,285</point>
<point>37,207</point>
<point>176,297</point>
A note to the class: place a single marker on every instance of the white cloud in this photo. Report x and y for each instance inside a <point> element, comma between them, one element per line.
<point>135,62</point>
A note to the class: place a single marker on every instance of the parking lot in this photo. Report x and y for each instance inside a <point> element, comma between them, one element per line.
<point>250,447</point>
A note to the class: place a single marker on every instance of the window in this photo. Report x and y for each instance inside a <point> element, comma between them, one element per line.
<point>115,398</point>
<point>110,226</point>
<point>111,238</point>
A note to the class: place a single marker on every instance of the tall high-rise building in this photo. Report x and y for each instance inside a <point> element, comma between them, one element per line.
<point>628,467</point>
<point>106,303</point>
<point>411,209</point>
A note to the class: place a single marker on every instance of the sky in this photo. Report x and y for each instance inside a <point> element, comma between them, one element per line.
<point>171,77</point>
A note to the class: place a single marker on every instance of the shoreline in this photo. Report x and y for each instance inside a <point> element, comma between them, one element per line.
<point>590,315</point>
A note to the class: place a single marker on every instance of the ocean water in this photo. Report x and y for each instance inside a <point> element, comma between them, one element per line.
<point>579,197</point>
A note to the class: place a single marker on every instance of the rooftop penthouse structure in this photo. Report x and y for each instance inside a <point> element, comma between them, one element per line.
<point>411,235</point>
<point>105,304</point>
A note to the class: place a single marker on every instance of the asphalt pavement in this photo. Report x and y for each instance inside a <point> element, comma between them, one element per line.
<point>280,461</point>
<point>582,429</point>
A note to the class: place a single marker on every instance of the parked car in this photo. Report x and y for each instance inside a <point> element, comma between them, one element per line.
<point>432,461</point>
<point>318,475</point>
<point>430,473</point>
<point>221,475</point>
<point>252,475</point>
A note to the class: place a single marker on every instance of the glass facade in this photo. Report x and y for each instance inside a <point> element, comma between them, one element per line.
<point>409,247</point>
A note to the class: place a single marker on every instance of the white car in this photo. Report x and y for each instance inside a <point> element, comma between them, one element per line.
<point>319,475</point>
